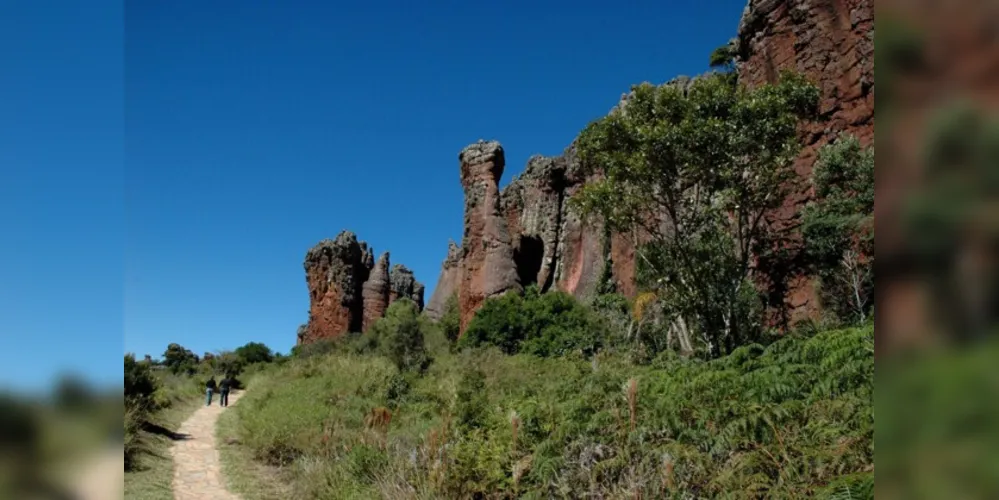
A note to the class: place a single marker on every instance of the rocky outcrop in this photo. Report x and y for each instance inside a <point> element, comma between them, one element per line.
<point>528,234</point>
<point>447,282</point>
<point>487,266</point>
<point>375,292</point>
<point>348,290</point>
<point>403,285</point>
<point>831,42</point>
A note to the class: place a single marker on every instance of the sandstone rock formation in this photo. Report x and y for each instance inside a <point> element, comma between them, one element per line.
<point>403,285</point>
<point>528,234</point>
<point>487,266</point>
<point>375,292</point>
<point>447,282</point>
<point>348,290</point>
<point>831,42</point>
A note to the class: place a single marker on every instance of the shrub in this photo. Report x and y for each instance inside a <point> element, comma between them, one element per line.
<point>471,400</point>
<point>180,360</point>
<point>140,384</point>
<point>254,352</point>
<point>450,322</point>
<point>399,336</point>
<point>550,324</point>
<point>838,227</point>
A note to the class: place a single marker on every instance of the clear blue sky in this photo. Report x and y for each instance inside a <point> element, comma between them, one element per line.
<point>171,193</point>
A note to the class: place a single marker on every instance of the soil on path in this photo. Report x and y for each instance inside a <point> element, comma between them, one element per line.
<point>197,473</point>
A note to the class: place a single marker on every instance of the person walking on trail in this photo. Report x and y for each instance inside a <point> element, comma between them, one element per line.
<point>210,388</point>
<point>224,387</point>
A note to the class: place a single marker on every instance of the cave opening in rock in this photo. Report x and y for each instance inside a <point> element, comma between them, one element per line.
<point>528,256</point>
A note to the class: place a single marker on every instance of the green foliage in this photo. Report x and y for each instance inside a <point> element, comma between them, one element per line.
<point>838,228</point>
<point>254,352</point>
<point>450,322</point>
<point>471,400</point>
<point>140,384</point>
<point>227,363</point>
<point>400,335</point>
<point>723,57</point>
<point>791,420</point>
<point>699,169</point>
<point>550,324</point>
<point>180,360</point>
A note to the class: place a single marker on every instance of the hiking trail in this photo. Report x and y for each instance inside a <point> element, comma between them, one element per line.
<point>197,473</point>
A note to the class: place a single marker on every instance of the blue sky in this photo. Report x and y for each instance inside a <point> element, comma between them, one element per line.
<point>170,194</point>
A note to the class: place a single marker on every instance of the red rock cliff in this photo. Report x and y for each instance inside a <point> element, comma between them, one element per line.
<point>831,42</point>
<point>528,234</point>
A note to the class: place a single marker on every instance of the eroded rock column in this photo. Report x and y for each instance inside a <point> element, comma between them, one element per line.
<point>487,267</point>
<point>335,271</point>
<point>376,292</point>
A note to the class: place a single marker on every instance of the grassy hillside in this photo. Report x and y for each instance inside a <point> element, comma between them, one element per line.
<point>793,419</point>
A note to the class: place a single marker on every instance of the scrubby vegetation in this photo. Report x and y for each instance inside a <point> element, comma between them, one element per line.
<point>793,419</point>
<point>546,325</point>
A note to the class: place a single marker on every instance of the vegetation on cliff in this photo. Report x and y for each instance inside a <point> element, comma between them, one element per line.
<point>700,170</point>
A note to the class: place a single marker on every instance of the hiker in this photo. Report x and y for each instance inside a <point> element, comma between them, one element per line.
<point>209,389</point>
<point>224,387</point>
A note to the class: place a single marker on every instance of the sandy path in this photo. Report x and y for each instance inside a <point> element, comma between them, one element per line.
<point>197,473</point>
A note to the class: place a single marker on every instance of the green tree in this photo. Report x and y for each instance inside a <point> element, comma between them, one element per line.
<point>400,336</point>
<point>139,381</point>
<point>838,227</point>
<point>545,325</point>
<point>228,363</point>
<point>723,57</point>
<point>180,360</point>
<point>699,170</point>
<point>254,352</point>
<point>450,322</point>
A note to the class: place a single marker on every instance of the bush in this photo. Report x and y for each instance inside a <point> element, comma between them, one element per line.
<point>545,325</point>
<point>180,360</point>
<point>450,322</point>
<point>254,352</point>
<point>471,400</point>
<point>400,336</point>
<point>140,384</point>
<point>790,420</point>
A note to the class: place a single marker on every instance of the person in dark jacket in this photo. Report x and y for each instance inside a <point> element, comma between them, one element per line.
<point>224,387</point>
<point>210,388</point>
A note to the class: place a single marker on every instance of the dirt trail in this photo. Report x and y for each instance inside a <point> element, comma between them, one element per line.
<point>197,473</point>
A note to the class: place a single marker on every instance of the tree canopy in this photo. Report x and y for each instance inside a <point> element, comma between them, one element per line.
<point>698,169</point>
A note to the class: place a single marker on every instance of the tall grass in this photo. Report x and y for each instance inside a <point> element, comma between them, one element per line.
<point>791,420</point>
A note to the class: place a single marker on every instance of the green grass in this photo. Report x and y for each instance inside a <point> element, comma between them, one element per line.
<point>791,420</point>
<point>250,479</point>
<point>151,480</point>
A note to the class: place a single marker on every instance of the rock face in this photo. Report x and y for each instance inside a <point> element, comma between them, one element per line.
<point>348,290</point>
<point>831,42</point>
<point>447,282</point>
<point>375,292</point>
<point>487,267</point>
<point>530,235</point>
<point>403,285</point>
<point>525,235</point>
